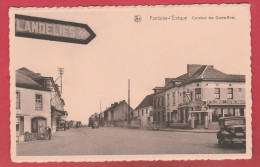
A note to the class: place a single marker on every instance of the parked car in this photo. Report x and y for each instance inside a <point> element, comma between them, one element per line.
<point>155,126</point>
<point>78,124</point>
<point>95,124</point>
<point>232,131</point>
<point>134,124</point>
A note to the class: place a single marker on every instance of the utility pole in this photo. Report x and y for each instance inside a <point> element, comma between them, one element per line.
<point>100,107</point>
<point>61,72</point>
<point>128,100</point>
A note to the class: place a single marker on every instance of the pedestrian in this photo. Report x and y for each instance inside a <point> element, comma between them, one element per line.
<point>49,132</point>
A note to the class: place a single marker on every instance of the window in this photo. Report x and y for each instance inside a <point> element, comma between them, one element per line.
<point>240,93</point>
<point>18,104</point>
<point>230,93</point>
<point>168,101</point>
<point>138,113</point>
<point>17,124</point>
<point>163,101</point>
<point>158,99</point>
<point>217,93</point>
<point>38,102</point>
<point>146,110</point>
<point>142,112</point>
<point>148,119</point>
<point>173,99</point>
<point>197,93</point>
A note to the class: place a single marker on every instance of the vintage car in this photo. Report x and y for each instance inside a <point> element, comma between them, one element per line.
<point>232,131</point>
<point>95,124</point>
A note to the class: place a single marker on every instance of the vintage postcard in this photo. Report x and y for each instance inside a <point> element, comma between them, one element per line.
<point>130,83</point>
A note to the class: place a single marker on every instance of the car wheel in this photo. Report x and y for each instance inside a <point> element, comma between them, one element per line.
<point>222,143</point>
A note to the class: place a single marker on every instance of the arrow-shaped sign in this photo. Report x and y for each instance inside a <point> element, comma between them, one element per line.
<point>54,30</point>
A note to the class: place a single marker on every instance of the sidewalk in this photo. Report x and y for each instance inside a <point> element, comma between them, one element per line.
<point>189,130</point>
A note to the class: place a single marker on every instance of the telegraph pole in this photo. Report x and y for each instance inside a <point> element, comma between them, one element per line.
<point>128,100</point>
<point>61,72</point>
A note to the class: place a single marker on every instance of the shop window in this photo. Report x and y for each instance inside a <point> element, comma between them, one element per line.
<point>241,111</point>
<point>216,114</point>
<point>197,93</point>
<point>17,125</point>
<point>38,102</point>
<point>18,100</point>
<point>217,93</point>
<point>230,93</point>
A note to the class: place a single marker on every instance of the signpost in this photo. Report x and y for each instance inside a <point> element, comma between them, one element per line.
<point>54,30</point>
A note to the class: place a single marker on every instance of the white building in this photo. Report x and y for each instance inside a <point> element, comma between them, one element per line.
<point>143,111</point>
<point>36,104</point>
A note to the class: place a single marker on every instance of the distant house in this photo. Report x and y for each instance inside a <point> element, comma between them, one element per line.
<point>38,103</point>
<point>117,114</point>
<point>144,111</point>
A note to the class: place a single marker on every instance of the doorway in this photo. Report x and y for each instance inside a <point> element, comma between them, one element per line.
<point>38,125</point>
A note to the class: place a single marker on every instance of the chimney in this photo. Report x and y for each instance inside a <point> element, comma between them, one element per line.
<point>192,68</point>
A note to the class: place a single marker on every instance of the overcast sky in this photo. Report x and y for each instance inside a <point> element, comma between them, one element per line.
<point>145,52</point>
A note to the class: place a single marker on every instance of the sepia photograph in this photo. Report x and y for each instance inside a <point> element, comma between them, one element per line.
<point>130,83</point>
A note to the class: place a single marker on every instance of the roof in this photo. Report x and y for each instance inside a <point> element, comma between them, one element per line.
<point>206,73</point>
<point>157,87</point>
<point>114,105</point>
<point>26,82</point>
<point>29,73</point>
<point>147,101</point>
<point>182,77</point>
<point>209,73</point>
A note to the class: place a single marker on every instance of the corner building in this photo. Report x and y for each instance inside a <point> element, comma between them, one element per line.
<point>200,97</point>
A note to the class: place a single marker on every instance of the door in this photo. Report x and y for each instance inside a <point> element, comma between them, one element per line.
<point>38,125</point>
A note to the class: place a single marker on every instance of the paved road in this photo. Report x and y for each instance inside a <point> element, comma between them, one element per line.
<point>120,141</point>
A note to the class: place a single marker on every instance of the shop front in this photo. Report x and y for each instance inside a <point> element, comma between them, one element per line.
<point>57,118</point>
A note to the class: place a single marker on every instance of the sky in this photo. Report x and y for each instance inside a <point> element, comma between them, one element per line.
<point>145,52</point>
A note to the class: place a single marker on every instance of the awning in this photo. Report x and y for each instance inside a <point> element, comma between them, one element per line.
<point>59,112</point>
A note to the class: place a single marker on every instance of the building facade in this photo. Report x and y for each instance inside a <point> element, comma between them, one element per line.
<point>117,115</point>
<point>33,110</point>
<point>159,106</point>
<point>144,112</point>
<point>201,96</point>
<point>35,103</point>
